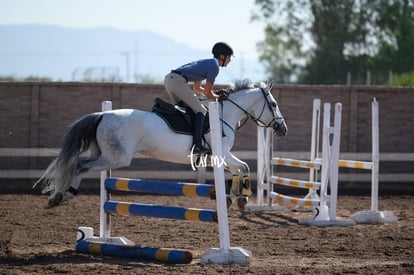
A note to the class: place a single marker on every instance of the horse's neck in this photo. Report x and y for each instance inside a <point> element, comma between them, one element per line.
<point>232,113</point>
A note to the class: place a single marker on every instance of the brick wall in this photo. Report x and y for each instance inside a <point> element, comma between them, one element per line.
<point>395,112</point>
<point>38,114</point>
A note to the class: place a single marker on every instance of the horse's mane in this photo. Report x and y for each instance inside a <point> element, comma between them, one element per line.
<point>243,84</point>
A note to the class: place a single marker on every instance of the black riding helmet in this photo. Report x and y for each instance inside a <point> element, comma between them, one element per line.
<point>221,48</point>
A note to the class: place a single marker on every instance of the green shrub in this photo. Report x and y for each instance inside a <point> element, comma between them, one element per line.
<point>406,79</point>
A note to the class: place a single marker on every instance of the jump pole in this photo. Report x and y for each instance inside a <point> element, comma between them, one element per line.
<point>224,254</point>
<point>161,187</point>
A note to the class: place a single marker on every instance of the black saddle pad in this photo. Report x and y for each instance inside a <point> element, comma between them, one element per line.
<point>179,118</point>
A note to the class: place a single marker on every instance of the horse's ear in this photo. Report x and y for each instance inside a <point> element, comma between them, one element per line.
<point>270,85</point>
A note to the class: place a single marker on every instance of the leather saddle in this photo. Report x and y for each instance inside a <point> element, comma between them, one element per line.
<point>180,117</point>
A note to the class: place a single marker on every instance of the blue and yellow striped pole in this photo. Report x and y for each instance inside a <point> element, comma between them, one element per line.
<point>161,187</point>
<point>172,256</point>
<point>160,211</point>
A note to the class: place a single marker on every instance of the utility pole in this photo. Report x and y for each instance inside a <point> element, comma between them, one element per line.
<point>126,54</point>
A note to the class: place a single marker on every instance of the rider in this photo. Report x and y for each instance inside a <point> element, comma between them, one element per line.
<point>205,69</point>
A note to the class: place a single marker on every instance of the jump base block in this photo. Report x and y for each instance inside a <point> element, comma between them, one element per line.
<point>374,217</point>
<point>235,255</point>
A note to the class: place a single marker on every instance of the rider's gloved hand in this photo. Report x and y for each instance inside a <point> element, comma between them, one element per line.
<point>222,94</point>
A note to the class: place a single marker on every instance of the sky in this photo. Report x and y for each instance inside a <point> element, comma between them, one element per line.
<point>198,24</point>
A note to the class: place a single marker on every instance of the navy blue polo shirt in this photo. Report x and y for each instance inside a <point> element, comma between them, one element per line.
<point>201,69</point>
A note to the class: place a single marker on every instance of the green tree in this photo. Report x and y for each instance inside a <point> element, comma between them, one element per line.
<point>406,79</point>
<point>285,47</point>
<point>32,78</point>
<point>278,57</point>
<point>330,32</point>
<point>320,41</point>
<point>395,21</point>
<point>7,78</point>
<point>309,38</point>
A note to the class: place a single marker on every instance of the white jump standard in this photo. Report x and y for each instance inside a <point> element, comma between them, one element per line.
<point>373,216</point>
<point>325,206</point>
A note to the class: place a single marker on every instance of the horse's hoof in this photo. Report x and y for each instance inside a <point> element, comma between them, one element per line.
<point>229,201</point>
<point>67,196</point>
<point>242,202</point>
<point>55,200</point>
<point>212,193</point>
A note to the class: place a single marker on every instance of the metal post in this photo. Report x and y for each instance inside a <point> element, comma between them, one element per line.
<point>375,157</point>
<point>348,78</point>
<point>368,78</point>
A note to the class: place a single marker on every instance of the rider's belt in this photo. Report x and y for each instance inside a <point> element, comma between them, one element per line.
<point>180,73</point>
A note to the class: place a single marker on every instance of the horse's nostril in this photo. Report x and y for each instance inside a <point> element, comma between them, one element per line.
<point>280,129</point>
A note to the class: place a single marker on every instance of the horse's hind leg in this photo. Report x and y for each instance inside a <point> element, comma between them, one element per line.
<point>83,166</point>
<point>99,160</point>
<point>72,191</point>
<point>68,194</point>
<point>105,163</point>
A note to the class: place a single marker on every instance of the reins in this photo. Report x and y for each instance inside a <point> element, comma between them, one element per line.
<point>257,120</point>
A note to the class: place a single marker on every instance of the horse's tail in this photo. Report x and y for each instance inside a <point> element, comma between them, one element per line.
<point>58,176</point>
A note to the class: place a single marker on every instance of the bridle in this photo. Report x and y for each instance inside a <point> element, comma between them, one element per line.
<point>259,122</point>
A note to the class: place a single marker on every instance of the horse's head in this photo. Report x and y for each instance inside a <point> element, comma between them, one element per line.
<point>263,109</point>
<point>270,115</point>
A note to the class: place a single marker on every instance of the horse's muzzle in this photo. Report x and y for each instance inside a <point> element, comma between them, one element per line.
<point>280,129</point>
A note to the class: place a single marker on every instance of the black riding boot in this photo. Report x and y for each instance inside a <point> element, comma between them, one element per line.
<point>198,135</point>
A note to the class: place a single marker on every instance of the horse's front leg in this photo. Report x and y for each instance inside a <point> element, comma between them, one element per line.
<point>241,183</point>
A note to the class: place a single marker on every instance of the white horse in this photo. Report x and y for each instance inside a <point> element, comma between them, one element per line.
<point>113,137</point>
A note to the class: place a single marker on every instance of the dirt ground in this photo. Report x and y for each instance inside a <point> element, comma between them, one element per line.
<point>38,240</point>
